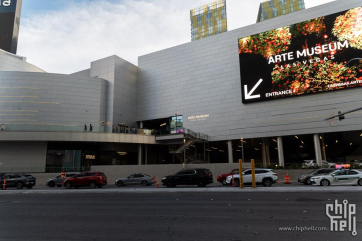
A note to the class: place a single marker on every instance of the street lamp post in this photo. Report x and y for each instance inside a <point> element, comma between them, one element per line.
<point>242,147</point>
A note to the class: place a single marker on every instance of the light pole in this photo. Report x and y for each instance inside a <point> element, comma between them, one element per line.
<point>242,149</point>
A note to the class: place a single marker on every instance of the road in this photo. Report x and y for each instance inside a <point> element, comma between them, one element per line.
<point>170,216</point>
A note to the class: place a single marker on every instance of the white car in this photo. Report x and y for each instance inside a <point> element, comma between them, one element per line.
<point>313,163</point>
<point>262,176</point>
<point>339,177</point>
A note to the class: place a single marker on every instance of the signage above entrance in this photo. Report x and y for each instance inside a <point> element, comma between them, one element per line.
<point>318,55</point>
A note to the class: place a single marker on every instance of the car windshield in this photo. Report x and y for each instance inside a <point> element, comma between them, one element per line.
<point>313,171</point>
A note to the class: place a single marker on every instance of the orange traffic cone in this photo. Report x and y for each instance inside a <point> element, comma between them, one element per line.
<point>4,187</point>
<point>154,177</point>
<point>286,179</point>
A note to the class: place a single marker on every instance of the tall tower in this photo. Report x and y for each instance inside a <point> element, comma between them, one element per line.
<point>274,8</point>
<point>10,11</point>
<point>209,19</point>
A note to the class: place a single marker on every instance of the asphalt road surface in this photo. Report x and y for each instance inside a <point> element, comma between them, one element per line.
<point>171,216</point>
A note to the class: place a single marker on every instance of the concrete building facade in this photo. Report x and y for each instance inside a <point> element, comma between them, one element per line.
<point>192,92</point>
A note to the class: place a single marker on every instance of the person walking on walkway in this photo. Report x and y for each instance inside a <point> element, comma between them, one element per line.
<point>2,127</point>
<point>90,128</point>
<point>85,127</point>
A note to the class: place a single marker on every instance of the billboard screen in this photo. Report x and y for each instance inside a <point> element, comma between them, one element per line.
<point>8,38</point>
<point>318,55</point>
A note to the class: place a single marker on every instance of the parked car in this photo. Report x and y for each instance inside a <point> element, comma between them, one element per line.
<point>222,178</point>
<point>338,177</point>
<point>58,180</point>
<point>306,177</point>
<point>18,180</point>
<point>195,176</point>
<point>263,176</point>
<point>91,179</point>
<point>136,179</point>
<point>313,163</point>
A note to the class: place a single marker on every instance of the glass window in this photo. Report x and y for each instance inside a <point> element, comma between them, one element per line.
<point>189,172</point>
<point>89,174</point>
<point>176,124</point>
<point>138,175</point>
<point>80,175</point>
<point>181,173</point>
<point>248,172</point>
<point>235,171</point>
<point>352,173</point>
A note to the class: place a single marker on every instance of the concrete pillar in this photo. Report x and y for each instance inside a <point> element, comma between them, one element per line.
<point>139,154</point>
<point>263,153</point>
<point>230,151</point>
<point>267,154</point>
<point>145,154</point>
<point>324,155</point>
<point>317,149</point>
<point>280,151</point>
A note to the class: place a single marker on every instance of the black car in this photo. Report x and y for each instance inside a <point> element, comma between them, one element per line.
<point>306,177</point>
<point>17,180</point>
<point>196,176</point>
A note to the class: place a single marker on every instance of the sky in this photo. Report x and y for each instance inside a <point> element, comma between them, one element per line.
<point>64,36</point>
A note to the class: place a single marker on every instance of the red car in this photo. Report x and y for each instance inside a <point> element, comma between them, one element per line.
<point>222,178</point>
<point>91,179</point>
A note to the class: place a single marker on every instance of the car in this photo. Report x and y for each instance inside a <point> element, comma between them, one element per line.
<point>263,176</point>
<point>91,179</point>
<point>313,163</point>
<point>339,177</point>
<point>222,178</point>
<point>18,180</point>
<point>136,179</point>
<point>194,176</point>
<point>306,177</point>
<point>58,180</point>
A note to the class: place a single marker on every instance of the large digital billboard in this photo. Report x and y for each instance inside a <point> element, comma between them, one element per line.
<point>318,55</point>
<point>9,24</point>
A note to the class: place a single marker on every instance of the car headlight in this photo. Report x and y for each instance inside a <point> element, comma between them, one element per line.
<point>163,178</point>
<point>314,178</point>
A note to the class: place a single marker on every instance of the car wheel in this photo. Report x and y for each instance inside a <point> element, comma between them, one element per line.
<point>29,187</point>
<point>144,183</point>
<point>19,185</point>
<point>68,185</point>
<point>324,182</point>
<point>92,184</point>
<point>308,182</point>
<point>201,183</point>
<point>100,186</point>
<point>51,184</point>
<point>223,182</point>
<point>120,183</point>
<point>360,182</point>
<point>267,182</point>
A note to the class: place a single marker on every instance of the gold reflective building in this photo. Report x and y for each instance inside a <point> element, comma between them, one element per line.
<point>274,8</point>
<point>209,19</point>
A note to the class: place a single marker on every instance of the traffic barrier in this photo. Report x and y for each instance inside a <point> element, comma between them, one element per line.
<point>286,179</point>
<point>4,187</point>
<point>154,177</point>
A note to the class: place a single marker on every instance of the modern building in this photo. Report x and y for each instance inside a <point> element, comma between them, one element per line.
<point>10,12</point>
<point>274,8</point>
<point>208,20</point>
<point>209,101</point>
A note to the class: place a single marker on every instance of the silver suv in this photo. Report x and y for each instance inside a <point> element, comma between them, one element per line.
<point>57,180</point>
<point>266,177</point>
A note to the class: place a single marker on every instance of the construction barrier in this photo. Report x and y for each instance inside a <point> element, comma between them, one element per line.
<point>154,177</point>
<point>286,179</point>
<point>4,186</point>
<point>233,183</point>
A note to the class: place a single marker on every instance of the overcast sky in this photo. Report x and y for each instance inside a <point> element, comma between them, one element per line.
<point>64,36</point>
